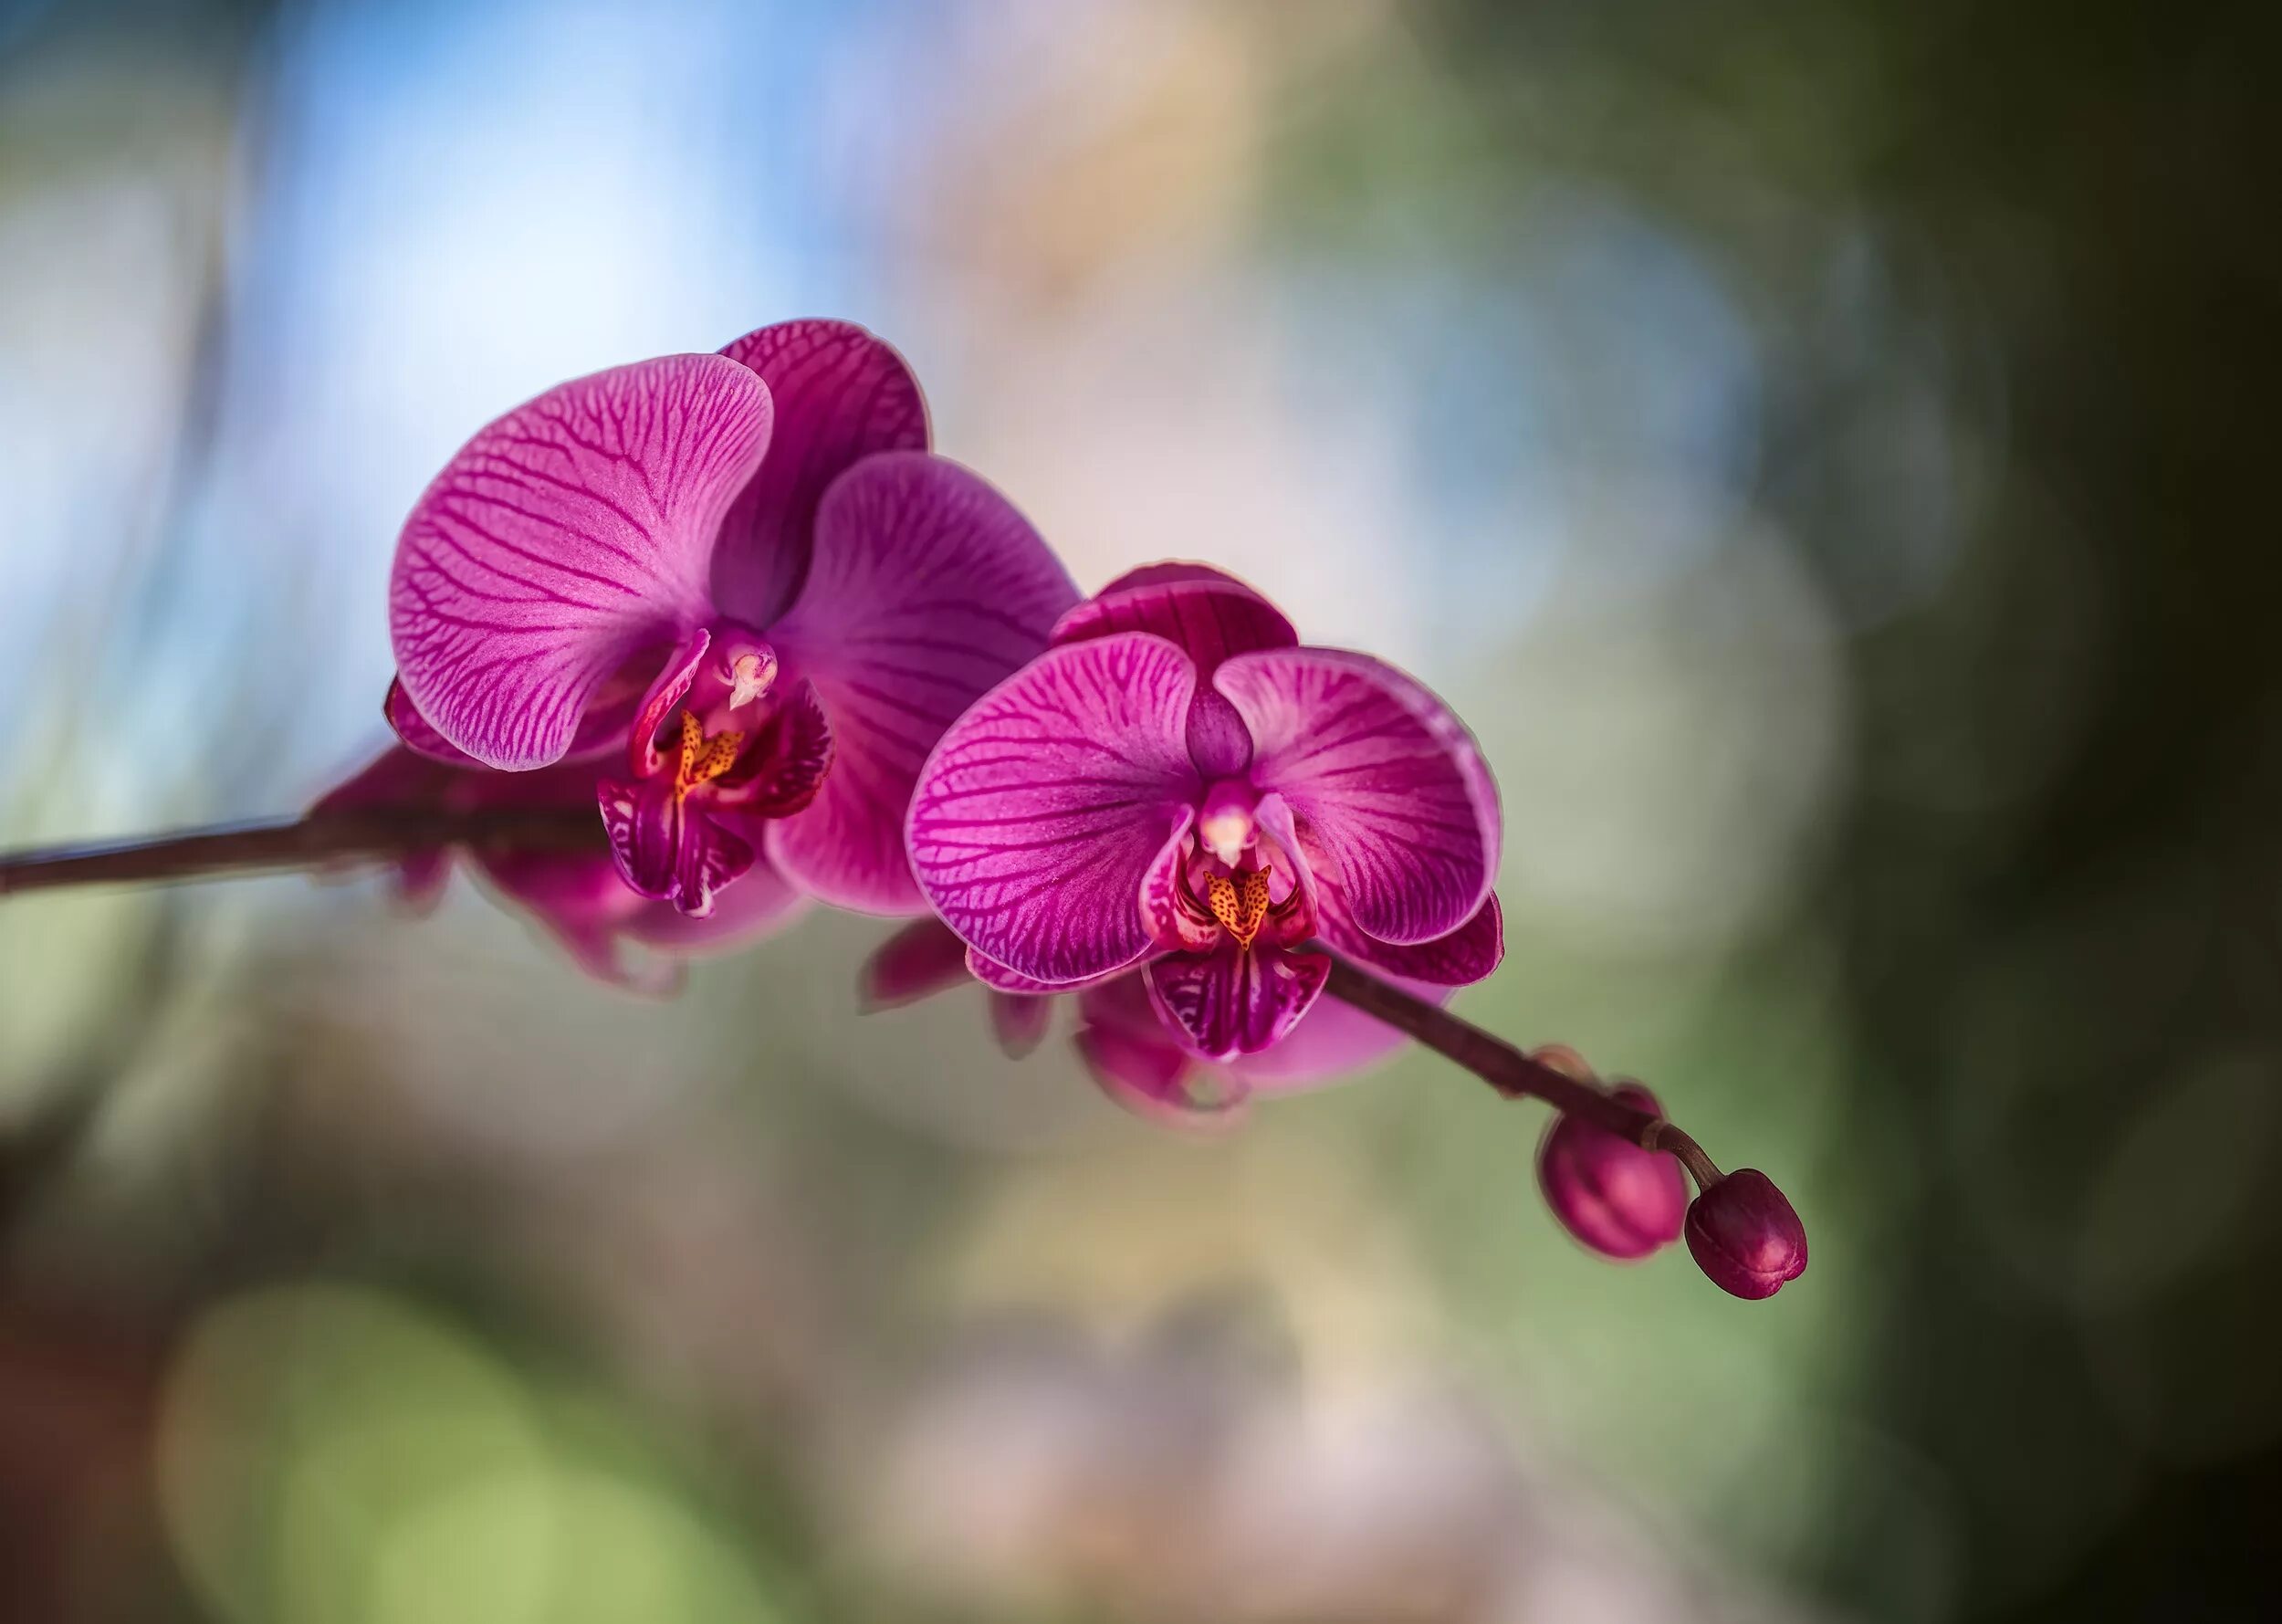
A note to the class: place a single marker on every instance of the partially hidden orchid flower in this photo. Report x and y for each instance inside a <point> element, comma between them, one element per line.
<point>578,896</point>
<point>1133,1056</point>
<point>747,574</point>
<point>1178,787</point>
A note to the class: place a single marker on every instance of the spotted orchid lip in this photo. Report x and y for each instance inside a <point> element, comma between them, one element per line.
<point>777,498</point>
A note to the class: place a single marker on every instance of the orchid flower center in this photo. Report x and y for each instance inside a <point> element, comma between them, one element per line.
<point>1240,904</point>
<point>704,757</point>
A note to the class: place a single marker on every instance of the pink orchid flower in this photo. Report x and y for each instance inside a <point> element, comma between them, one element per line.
<point>1178,787</point>
<point>1131,1054</point>
<point>580,898</point>
<point>747,570</point>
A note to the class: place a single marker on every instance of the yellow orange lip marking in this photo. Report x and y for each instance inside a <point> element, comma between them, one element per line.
<point>1240,905</point>
<point>702,759</point>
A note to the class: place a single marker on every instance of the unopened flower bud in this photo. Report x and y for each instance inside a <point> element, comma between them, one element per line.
<point>1745,1236</point>
<point>1615,1197</point>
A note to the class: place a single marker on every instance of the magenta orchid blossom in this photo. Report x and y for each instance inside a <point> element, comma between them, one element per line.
<point>1178,787</point>
<point>578,896</point>
<point>735,605</point>
<point>747,572</point>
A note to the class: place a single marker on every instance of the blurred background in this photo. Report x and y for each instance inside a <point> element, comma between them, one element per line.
<point>1819,444</point>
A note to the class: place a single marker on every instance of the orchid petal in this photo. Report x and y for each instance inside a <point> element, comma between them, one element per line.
<point>1136,1061</point>
<point>416,733</point>
<point>608,716</point>
<point>664,695</point>
<point>1145,1076</point>
<point>1018,1023</point>
<point>1155,1080</point>
<point>1042,809</point>
<point>1171,926</point>
<point>841,394</point>
<point>1236,1000</point>
<point>927,588</point>
<point>925,957</point>
<point>1465,955</point>
<point>999,979</point>
<point>1172,570</point>
<point>791,758</point>
<point>400,778</point>
<point>1209,616</point>
<point>1386,783</point>
<point>562,539</point>
<point>668,848</point>
<point>1272,813</point>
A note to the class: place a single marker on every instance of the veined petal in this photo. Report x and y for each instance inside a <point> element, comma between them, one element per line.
<point>1465,955</point>
<point>603,726</point>
<point>1040,812</point>
<point>1386,782</point>
<point>668,849</point>
<point>927,588</point>
<point>1236,1000</point>
<point>1208,615</point>
<point>1000,979</point>
<point>562,539</point>
<point>415,732</point>
<point>841,394</point>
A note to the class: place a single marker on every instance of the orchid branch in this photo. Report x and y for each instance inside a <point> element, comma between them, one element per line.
<point>299,843</point>
<point>1514,1074</point>
<point>1741,1229</point>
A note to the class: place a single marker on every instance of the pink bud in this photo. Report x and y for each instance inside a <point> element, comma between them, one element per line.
<point>1617,1198</point>
<point>1745,1236</point>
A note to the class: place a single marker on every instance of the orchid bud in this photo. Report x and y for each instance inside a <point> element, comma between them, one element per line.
<point>1745,1236</point>
<point>1615,1197</point>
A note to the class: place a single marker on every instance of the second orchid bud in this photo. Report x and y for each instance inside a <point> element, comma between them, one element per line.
<point>1618,1200</point>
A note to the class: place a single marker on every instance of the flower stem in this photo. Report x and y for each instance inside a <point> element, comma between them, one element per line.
<point>298,844</point>
<point>1511,1071</point>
